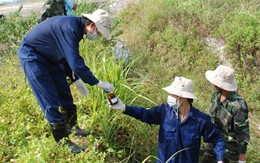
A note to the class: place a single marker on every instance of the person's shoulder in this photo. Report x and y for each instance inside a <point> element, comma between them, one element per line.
<point>201,115</point>
<point>166,107</point>
<point>215,93</point>
<point>237,101</point>
<point>65,20</point>
<point>162,107</point>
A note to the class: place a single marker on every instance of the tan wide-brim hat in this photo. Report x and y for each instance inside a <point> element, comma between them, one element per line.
<point>102,20</point>
<point>181,87</point>
<point>223,77</point>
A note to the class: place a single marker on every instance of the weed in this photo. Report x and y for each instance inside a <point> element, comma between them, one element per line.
<point>166,39</point>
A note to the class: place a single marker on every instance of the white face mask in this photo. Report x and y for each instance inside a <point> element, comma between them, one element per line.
<point>172,102</point>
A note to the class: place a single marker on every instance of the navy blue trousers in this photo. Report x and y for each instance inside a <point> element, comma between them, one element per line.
<point>48,84</point>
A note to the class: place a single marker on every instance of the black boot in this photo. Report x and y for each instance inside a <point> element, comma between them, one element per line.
<point>70,118</point>
<point>59,131</point>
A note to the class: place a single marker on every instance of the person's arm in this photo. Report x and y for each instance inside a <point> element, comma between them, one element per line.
<point>212,135</point>
<point>68,72</point>
<point>69,43</point>
<point>150,116</point>
<point>70,4</point>
<point>241,129</point>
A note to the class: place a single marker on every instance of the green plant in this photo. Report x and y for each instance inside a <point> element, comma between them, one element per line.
<point>166,39</point>
<point>168,158</point>
<point>242,38</point>
<point>14,27</point>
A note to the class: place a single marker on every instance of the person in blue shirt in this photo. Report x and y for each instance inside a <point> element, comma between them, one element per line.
<point>70,6</point>
<point>63,7</point>
<point>53,41</point>
<point>181,124</point>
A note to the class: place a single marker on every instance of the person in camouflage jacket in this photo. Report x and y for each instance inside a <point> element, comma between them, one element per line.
<point>229,112</point>
<point>52,8</point>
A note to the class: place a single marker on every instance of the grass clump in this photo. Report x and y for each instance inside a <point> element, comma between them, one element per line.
<point>166,39</point>
<point>26,135</point>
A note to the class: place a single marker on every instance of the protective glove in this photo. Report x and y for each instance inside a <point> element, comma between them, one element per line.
<point>107,87</point>
<point>81,87</point>
<point>119,106</point>
<point>239,161</point>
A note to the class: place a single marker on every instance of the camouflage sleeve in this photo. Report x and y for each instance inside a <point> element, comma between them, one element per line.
<point>52,8</point>
<point>241,125</point>
<point>44,13</point>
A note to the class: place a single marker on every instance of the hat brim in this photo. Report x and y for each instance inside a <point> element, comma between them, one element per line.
<point>104,31</point>
<point>211,77</point>
<point>176,92</point>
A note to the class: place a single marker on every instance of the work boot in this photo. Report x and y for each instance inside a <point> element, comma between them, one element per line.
<point>59,131</point>
<point>70,118</point>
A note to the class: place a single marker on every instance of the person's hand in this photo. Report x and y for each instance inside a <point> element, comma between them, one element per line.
<point>242,158</point>
<point>119,106</point>
<point>75,6</point>
<point>107,87</point>
<point>81,87</point>
<point>220,162</point>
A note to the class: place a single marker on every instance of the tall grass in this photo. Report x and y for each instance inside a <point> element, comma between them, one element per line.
<point>166,39</point>
<point>25,132</point>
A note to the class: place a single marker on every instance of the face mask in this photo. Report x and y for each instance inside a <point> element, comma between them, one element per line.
<point>93,36</point>
<point>172,102</point>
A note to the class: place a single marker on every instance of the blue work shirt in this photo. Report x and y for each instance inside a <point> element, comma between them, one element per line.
<point>69,7</point>
<point>175,135</point>
<point>56,39</point>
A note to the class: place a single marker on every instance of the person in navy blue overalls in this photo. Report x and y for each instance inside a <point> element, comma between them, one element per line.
<point>181,124</point>
<point>50,43</point>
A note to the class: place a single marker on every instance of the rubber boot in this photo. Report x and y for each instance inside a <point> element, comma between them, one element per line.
<point>70,118</point>
<point>59,131</point>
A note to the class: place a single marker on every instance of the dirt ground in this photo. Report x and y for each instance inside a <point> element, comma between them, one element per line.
<point>27,7</point>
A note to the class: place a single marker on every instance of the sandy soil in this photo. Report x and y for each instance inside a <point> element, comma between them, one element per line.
<point>27,7</point>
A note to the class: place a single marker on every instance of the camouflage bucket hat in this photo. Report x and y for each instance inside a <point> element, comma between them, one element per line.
<point>102,20</point>
<point>181,87</point>
<point>223,77</point>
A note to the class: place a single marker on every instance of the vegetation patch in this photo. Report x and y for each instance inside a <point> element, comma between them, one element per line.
<point>166,39</point>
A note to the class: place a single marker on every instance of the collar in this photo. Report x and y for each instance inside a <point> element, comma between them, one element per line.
<point>192,113</point>
<point>226,101</point>
<point>83,21</point>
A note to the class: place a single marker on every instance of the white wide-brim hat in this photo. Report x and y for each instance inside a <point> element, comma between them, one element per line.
<point>223,77</point>
<point>102,20</point>
<point>181,87</point>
